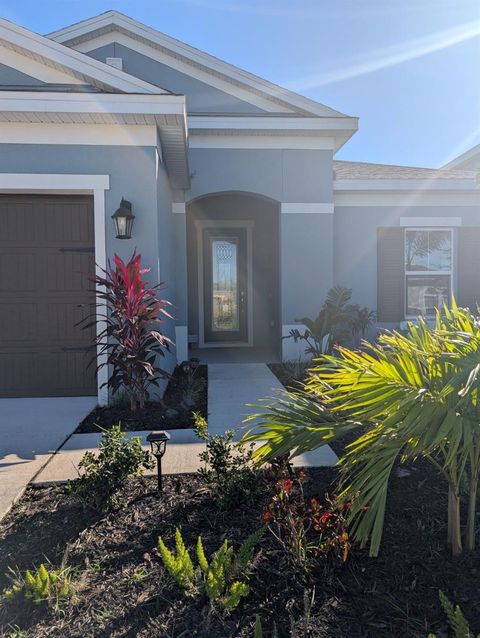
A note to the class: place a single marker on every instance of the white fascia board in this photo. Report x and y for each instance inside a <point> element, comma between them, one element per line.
<point>69,59</point>
<point>35,69</point>
<point>420,222</point>
<point>404,184</point>
<point>267,123</point>
<point>302,142</point>
<point>114,18</point>
<point>117,103</point>
<point>53,182</point>
<point>406,199</point>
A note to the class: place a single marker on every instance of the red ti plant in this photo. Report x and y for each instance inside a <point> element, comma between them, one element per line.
<point>130,339</point>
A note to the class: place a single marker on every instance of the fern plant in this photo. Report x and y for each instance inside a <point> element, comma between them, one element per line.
<point>457,621</point>
<point>180,567</point>
<point>222,578</point>
<point>40,586</point>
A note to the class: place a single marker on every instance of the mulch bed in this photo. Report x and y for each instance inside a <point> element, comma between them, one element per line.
<point>170,413</point>
<point>123,590</point>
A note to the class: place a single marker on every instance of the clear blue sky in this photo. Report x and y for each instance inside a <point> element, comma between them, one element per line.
<point>410,69</point>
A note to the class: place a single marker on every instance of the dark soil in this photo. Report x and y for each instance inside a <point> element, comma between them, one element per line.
<point>289,375</point>
<point>124,591</point>
<point>182,397</point>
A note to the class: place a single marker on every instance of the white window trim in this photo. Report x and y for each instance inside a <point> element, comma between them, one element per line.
<point>95,185</point>
<point>432,273</point>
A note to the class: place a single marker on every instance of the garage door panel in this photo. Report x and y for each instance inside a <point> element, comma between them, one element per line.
<point>64,327</point>
<point>68,222</point>
<point>18,271</point>
<point>19,222</point>
<point>46,260</point>
<point>17,323</point>
<point>69,272</point>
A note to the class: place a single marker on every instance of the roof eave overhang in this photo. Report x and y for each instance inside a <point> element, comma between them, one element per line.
<point>70,61</point>
<point>113,20</point>
<point>340,129</point>
<point>166,112</point>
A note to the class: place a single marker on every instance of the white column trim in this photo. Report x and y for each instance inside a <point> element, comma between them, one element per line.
<point>65,183</point>
<point>178,208</point>
<point>322,208</point>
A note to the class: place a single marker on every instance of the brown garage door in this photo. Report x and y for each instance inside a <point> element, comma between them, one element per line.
<point>46,259</point>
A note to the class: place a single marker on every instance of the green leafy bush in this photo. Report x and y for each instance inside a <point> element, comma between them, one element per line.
<point>42,586</point>
<point>105,473</point>
<point>222,578</point>
<point>228,471</point>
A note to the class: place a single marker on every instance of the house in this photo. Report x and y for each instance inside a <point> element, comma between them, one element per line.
<point>239,204</point>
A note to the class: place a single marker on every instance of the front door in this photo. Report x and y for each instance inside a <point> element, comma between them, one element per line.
<point>225,278</point>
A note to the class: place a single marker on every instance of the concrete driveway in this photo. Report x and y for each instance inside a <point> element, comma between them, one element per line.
<point>31,430</point>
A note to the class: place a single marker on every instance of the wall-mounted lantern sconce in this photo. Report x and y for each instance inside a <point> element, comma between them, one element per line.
<point>123,220</point>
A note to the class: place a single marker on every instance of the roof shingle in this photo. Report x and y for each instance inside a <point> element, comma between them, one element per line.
<point>365,170</point>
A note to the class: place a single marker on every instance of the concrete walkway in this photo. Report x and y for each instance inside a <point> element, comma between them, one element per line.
<point>230,387</point>
<point>233,385</point>
<point>30,431</point>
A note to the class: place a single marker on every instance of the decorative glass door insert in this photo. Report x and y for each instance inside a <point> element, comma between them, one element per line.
<point>225,284</point>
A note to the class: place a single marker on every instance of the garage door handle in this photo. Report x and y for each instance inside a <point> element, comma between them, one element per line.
<point>75,249</point>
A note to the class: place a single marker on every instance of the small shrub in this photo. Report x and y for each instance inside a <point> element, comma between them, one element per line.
<point>222,579</point>
<point>307,529</point>
<point>457,621</point>
<point>228,471</point>
<point>105,473</point>
<point>43,586</point>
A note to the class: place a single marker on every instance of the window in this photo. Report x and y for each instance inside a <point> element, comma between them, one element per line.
<point>428,270</point>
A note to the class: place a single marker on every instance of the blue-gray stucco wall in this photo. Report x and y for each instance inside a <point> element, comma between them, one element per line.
<point>12,77</point>
<point>283,175</point>
<point>201,97</point>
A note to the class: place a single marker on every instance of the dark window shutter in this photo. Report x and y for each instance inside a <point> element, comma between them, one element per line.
<point>468,268</point>
<point>390,274</point>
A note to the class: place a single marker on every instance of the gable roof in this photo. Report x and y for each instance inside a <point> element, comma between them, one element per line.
<point>76,65</point>
<point>367,170</point>
<point>280,98</point>
<point>464,158</point>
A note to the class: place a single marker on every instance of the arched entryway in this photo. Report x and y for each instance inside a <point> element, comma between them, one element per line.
<point>233,277</point>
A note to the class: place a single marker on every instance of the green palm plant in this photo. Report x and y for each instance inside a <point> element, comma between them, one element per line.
<point>414,396</point>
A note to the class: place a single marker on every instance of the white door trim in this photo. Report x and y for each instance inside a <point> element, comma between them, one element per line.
<point>95,185</point>
<point>221,223</point>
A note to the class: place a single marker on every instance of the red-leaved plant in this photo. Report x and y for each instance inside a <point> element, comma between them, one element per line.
<point>129,340</point>
<point>305,528</point>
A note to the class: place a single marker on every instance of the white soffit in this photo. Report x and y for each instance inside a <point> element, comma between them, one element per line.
<point>68,61</point>
<point>80,36</point>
